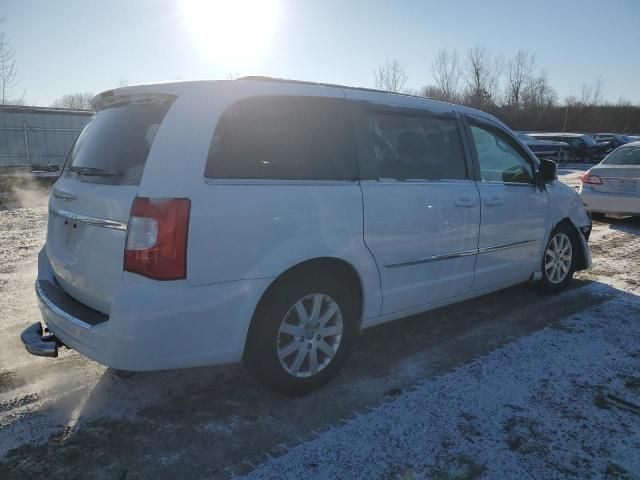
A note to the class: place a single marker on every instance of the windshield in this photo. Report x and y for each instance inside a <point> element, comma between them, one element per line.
<point>114,145</point>
<point>623,156</point>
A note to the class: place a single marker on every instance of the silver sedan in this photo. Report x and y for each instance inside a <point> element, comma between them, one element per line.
<point>613,186</point>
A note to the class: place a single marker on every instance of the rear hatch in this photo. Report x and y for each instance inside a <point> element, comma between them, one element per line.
<point>90,204</point>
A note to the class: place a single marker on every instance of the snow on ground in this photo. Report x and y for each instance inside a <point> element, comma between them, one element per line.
<point>536,408</point>
<point>514,383</point>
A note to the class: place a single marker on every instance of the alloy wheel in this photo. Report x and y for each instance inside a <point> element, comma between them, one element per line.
<point>558,257</point>
<point>309,335</point>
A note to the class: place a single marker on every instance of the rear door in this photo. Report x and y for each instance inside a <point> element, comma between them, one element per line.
<point>90,203</point>
<point>421,210</point>
<point>514,209</point>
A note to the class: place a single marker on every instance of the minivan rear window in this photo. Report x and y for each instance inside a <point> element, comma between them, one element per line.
<point>284,138</point>
<point>113,147</point>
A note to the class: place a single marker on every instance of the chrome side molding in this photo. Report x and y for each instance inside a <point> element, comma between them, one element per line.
<point>506,246</point>
<point>434,258</point>
<point>465,253</point>
<point>96,222</point>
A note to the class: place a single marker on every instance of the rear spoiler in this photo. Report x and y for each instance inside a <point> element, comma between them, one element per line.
<point>115,97</point>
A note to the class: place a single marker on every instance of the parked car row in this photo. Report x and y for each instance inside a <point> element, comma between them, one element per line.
<point>615,139</point>
<point>581,146</point>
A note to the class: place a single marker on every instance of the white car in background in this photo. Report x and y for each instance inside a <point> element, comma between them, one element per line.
<point>613,185</point>
<point>202,223</point>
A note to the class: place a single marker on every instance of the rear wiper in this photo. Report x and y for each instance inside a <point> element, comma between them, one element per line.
<point>93,171</point>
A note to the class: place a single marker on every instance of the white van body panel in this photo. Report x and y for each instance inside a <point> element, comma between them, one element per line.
<point>244,234</point>
<point>160,325</point>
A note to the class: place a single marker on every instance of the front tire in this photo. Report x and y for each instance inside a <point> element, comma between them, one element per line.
<point>301,334</point>
<point>559,259</point>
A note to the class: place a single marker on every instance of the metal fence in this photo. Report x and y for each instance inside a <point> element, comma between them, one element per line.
<point>38,137</point>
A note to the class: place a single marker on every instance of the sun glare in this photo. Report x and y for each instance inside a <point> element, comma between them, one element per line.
<point>231,29</point>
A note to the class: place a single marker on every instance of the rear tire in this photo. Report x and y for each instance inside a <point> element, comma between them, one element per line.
<point>559,259</point>
<point>302,333</point>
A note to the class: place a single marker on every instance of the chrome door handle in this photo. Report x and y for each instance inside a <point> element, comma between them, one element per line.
<point>494,200</point>
<point>465,202</point>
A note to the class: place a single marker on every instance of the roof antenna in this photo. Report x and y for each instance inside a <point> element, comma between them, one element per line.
<point>564,126</point>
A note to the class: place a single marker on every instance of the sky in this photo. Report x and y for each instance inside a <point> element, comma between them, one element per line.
<point>68,46</point>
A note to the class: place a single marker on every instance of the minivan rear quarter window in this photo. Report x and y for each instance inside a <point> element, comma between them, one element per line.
<point>283,138</point>
<point>113,147</point>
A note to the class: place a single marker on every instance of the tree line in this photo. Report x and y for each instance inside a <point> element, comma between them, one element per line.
<point>516,90</point>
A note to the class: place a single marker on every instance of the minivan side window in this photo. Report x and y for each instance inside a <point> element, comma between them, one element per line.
<point>284,138</point>
<point>499,156</point>
<point>416,147</point>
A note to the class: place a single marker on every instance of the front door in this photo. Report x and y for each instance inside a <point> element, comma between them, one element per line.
<point>513,208</point>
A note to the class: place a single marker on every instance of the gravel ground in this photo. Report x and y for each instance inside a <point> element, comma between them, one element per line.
<point>514,383</point>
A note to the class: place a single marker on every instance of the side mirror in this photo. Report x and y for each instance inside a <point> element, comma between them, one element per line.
<point>547,170</point>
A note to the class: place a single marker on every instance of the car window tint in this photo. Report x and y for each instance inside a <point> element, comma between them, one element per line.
<point>284,137</point>
<point>499,157</point>
<point>413,147</point>
<point>113,147</point>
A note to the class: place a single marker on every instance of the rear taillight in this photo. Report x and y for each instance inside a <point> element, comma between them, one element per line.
<point>157,238</point>
<point>590,179</point>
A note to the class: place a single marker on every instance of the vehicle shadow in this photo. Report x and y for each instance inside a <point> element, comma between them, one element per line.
<point>629,225</point>
<point>217,421</point>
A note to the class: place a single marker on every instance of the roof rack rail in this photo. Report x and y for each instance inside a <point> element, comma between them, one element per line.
<point>323,84</point>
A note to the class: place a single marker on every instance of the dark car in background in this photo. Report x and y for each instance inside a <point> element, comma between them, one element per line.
<point>615,139</point>
<point>544,148</point>
<point>582,147</point>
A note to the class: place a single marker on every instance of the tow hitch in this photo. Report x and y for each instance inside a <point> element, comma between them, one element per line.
<point>39,341</point>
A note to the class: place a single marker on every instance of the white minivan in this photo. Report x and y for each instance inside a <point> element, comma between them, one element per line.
<point>269,220</point>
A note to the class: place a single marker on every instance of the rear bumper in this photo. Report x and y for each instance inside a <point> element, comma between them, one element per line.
<point>618,203</point>
<point>157,325</point>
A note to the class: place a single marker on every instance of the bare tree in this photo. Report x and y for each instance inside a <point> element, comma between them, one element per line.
<point>597,90</point>
<point>446,71</point>
<point>585,94</point>
<point>520,70</point>
<point>391,76</point>
<point>591,94</point>
<point>537,93</point>
<point>75,101</point>
<point>8,71</point>
<point>481,75</point>
<point>431,91</point>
